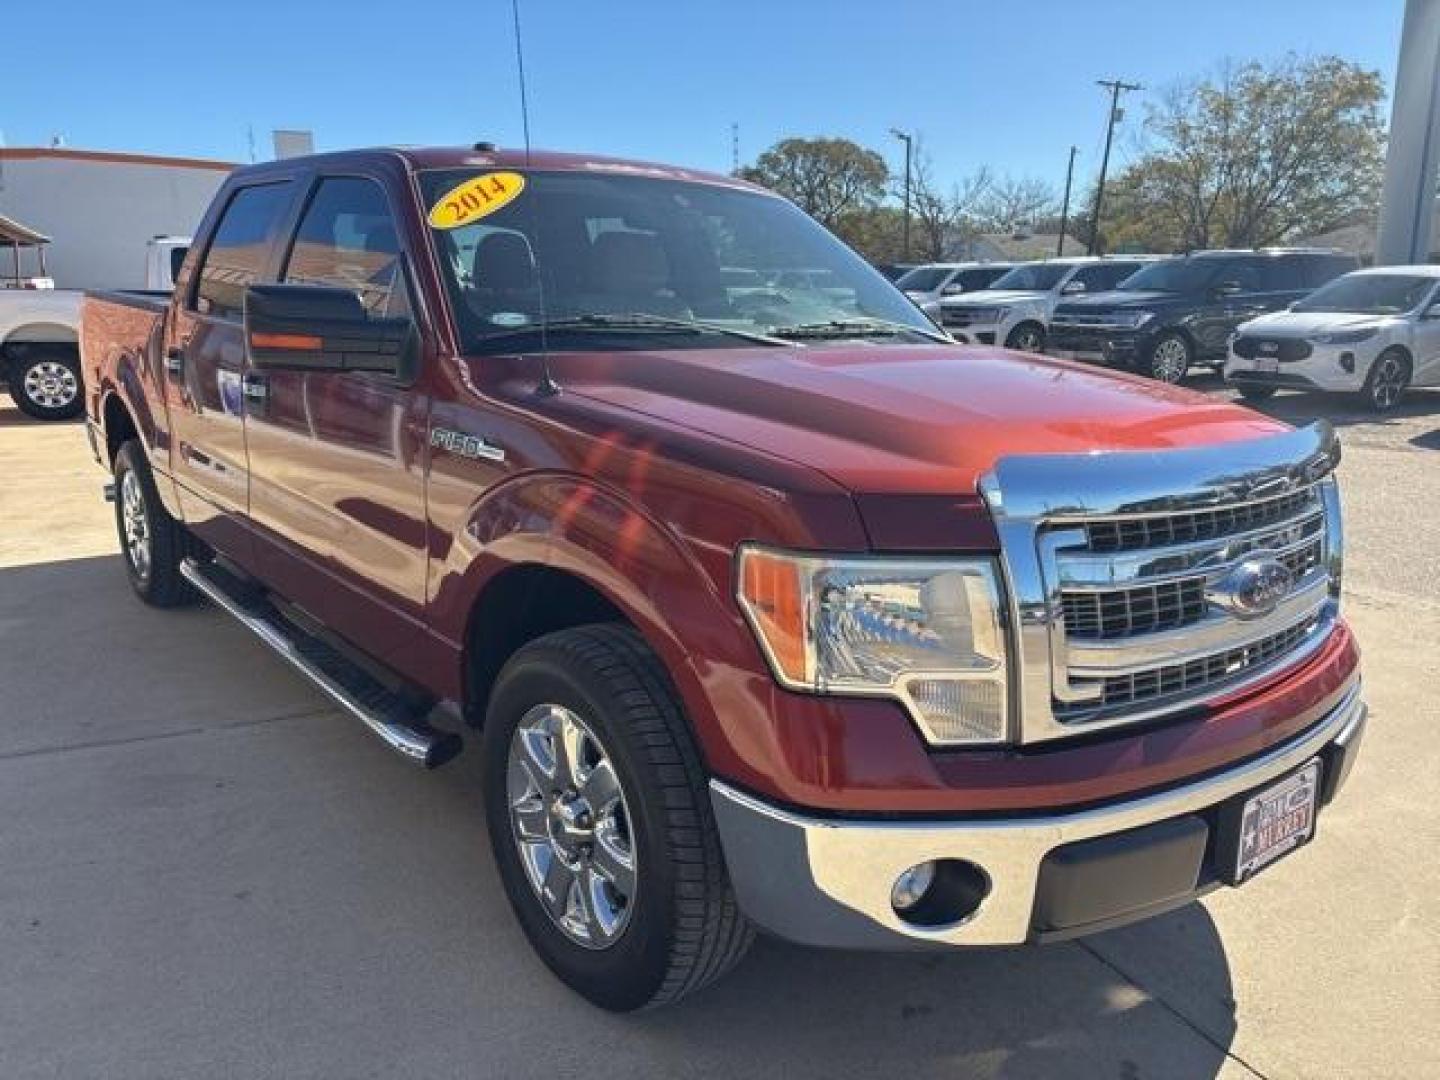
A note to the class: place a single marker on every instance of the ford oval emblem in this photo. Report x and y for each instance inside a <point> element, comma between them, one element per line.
<point>1254,588</point>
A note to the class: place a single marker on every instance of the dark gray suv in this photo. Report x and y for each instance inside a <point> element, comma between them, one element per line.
<point>1180,312</point>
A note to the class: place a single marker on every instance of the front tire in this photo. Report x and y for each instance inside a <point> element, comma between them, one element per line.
<point>45,384</point>
<point>599,816</point>
<point>1170,358</point>
<point>1387,382</point>
<point>152,543</point>
<point>1027,337</point>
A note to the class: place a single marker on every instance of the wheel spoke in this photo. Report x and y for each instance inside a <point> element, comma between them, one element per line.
<point>601,788</point>
<point>556,886</point>
<point>603,913</point>
<point>569,749</point>
<point>536,757</point>
<point>530,819</point>
<point>611,859</point>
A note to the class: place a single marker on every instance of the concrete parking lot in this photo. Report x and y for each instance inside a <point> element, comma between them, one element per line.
<point>207,871</point>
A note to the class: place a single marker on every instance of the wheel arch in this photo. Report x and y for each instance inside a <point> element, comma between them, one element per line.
<point>588,553</point>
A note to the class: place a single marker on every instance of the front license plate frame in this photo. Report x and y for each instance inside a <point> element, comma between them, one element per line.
<point>1273,822</point>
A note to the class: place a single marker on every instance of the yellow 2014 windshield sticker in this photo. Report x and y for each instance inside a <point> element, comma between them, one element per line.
<point>476,198</point>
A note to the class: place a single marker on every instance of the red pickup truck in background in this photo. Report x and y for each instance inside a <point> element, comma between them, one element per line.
<point>771,605</point>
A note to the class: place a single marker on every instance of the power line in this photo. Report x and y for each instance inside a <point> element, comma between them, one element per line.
<point>1116,87</point>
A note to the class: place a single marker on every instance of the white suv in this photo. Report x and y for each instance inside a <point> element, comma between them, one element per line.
<point>1372,332</point>
<point>928,285</point>
<point>1015,311</point>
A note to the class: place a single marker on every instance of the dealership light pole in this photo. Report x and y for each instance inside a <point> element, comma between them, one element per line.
<point>1115,86</point>
<point>1065,205</point>
<point>907,139</point>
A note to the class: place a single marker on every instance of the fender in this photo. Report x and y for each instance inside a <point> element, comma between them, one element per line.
<point>676,598</point>
<point>123,380</point>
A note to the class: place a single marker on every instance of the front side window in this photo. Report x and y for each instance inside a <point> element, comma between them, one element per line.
<point>1180,275</point>
<point>347,238</point>
<point>924,278</point>
<point>578,249</point>
<point>240,249</point>
<point>1033,277</point>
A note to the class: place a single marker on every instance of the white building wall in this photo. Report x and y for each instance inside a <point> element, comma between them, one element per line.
<point>100,212</point>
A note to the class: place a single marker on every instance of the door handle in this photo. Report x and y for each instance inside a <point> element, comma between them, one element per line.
<point>175,362</point>
<point>255,388</point>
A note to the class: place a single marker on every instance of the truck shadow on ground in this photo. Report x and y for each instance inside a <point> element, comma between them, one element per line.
<point>289,846</point>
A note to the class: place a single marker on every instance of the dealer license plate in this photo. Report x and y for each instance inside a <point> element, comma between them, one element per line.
<point>1276,821</point>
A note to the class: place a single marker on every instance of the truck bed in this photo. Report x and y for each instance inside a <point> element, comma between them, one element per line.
<point>119,330</point>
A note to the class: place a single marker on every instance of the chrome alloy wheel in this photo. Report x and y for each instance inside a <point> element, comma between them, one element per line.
<point>50,385</point>
<point>1170,360</point>
<point>1388,381</point>
<point>135,525</point>
<point>1027,340</point>
<point>571,825</point>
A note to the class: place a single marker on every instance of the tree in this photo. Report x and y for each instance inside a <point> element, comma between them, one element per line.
<point>940,217</point>
<point>876,232</point>
<point>1253,156</point>
<point>825,177</point>
<point>1010,204</point>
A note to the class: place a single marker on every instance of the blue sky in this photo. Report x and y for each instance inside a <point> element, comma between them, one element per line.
<point>1010,84</point>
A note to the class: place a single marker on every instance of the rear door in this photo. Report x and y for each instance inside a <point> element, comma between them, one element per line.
<point>336,458</point>
<point>204,361</point>
<point>1245,278</point>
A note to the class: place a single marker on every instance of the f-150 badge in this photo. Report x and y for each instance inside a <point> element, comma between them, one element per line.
<point>471,446</point>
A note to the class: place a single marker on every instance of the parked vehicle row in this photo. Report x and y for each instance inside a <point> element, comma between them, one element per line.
<point>774,610</point>
<point>1015,310</point>
<point>931,284</point>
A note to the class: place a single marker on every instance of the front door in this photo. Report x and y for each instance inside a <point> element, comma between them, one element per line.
<point>337,492</point>
<point>204,359</point>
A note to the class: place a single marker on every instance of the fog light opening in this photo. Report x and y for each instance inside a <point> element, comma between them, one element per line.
<point>942,892</point>
<point>1347,361</point>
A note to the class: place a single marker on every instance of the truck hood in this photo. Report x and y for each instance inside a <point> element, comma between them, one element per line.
<point>922,419</point>
<point>994,297</point>
<point>1306,323</point>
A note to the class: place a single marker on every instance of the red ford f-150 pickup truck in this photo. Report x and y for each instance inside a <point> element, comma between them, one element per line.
<point>771,605</point>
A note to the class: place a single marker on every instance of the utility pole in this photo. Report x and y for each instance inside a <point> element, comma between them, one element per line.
<point>1115,86</point>
<point>908,140</point>
<point>734,149</point>
<point>1065,205</point>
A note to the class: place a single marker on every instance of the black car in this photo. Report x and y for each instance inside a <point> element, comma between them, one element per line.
<point>1182,311</point>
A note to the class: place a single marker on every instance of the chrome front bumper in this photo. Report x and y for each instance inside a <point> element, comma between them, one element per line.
<point>827,882</point>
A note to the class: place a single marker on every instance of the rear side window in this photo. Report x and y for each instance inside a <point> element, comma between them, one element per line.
<point>240,249</point>
<point>1317,270</point>
<point>1283,273</point>
<point>978,279</point>
<point>347,238</point>
<point>1102,277</point>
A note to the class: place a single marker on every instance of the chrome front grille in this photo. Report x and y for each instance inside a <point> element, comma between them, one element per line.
<point>1136,575</point>
<point>1128,534</point>
<point>1170,679</point>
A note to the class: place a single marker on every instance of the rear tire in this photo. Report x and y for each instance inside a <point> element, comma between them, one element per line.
<point>1169,358</point>
<point>1387,381</point>
<point>45,383</point>
<point>152,543</point>
<point>568,708</point>
<point>1027,337</point>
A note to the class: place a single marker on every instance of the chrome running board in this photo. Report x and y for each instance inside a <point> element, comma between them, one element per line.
<point>398,719</point>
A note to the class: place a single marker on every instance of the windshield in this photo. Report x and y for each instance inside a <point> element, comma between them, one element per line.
<point>1369,294</point>
<point>1036,277</point>
<point>1173,275</point>
<point>598,252</point>
<point>925,278</point>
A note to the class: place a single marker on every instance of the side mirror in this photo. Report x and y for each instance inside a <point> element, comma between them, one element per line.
<point>1070,288</point>
<point>320,328</point>
<point>952,290</point>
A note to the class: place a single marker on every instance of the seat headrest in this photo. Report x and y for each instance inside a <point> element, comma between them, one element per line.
<point>503,262</point>
<point>629,262</point>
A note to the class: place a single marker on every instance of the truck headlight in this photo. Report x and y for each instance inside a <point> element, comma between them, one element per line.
<point>927,632</point>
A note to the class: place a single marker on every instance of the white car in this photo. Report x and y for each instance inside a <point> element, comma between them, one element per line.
<point>928,285</point>
<point>1015,311</point>
<point>1372,332</point>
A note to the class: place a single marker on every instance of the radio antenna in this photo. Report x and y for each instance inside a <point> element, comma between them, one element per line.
<point>547,387</point>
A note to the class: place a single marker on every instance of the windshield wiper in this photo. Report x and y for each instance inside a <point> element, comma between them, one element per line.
<point>843,328</point>
<point>633,321</point>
